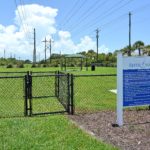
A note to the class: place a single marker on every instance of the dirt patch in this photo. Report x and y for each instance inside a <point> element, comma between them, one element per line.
<point>133,135</point>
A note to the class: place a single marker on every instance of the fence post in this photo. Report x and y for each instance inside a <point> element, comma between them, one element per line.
<point>56,83</point>
<point>58,77</point>
<point>26,96</point>
<point>30,94</point>
<point>68,92</point>
<point>72,95</point>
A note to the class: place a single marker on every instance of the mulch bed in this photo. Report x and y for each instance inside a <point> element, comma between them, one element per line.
<point>133,135</point>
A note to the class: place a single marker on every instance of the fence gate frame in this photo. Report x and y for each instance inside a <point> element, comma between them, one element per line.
<point>28,98</point>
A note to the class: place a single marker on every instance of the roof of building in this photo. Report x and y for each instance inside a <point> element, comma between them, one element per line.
<point>74,56</point>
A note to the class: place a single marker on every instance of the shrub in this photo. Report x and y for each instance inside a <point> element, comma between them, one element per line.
<point>9,66</point>
<point>44,65</point>
<point>33,66</point>
<point>20,66</point>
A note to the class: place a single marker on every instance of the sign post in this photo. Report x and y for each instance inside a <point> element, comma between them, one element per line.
<point>133,83</point>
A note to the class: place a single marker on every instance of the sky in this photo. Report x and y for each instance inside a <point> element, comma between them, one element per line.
<point>71,25</point>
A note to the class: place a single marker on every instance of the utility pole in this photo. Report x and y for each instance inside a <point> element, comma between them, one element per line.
<point>34,50</point>
<point>50,49</point>
<point>45,41</point>
<point>129,51</point>
<point>10,55</point>
<point>97,40</point>
<point>4,53</point>
<point>39,57</point>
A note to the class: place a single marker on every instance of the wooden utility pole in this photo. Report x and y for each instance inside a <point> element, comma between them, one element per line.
<point>129,51</point>
<point>97,40</point>
<point>50,49</point>
<point>45,41</point>
<point>4,53</point>
<point>39,57</point>
<point>34,49</point>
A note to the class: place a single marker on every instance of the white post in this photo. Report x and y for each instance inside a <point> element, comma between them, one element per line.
<point>119,89</point>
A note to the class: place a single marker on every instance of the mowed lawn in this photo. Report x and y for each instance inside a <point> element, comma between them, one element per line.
<point>57,131</point>
<point>45,133</point>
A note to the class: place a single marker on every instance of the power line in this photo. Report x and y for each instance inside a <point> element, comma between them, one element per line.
<point>24,15</point>
<point>90,10</point>
<point>21,17</point>
<point>70,12</point>
<point>106,13</point>
<point>76,12</point>
<point>139,9</point>
<point>115,20</point>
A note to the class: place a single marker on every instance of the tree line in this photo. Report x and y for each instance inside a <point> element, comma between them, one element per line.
<point>90,57</point>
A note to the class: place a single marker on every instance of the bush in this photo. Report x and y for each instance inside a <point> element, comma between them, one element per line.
<point>20,66</point>
<point>9,66</point>
<point>39,65</point>
<point>33,66</point>
<point>44,65</point>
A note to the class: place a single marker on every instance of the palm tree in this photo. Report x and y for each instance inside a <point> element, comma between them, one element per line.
<point>138,45</point>
<point>125,50</point>
<point>147,50</point>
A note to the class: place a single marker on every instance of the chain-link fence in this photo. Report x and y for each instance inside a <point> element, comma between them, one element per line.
<point>11,96</point>
<point>55,92</point>
<point>64,90</point>
<point>94,92</point>
<point>44,99</point>
<point>10,74</point>
<point>35,93</point>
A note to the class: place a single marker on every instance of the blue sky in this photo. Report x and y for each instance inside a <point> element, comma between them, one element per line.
<point>71,24</point>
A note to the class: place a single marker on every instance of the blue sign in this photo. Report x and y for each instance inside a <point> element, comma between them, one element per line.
<point>136,87</point>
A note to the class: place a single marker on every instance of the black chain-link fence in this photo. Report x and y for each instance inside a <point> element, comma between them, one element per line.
<point>44,99</point>
<point>35,93</point>
<point>93,93</point>
<point>11,74</point>
<point>11,96</point>
<point>64,90</point>
<point>46,92</point>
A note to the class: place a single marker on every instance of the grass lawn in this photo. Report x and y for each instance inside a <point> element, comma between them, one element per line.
<point>54,131</point>
<point>48,133</point>
<point>93,93</point>
<point>98,70</point>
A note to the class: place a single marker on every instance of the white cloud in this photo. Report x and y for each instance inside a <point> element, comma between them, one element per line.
<point>18,39</point>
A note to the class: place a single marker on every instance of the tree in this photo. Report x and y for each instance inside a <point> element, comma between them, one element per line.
<point>147,50</point>
<point>138,45</point>
<point>125,50</point>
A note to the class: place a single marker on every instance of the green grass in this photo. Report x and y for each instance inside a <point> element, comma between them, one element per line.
<point>90,93</point>
<point>99,70</point>
<point>11,97</point>
<point>54,131</point>
<point>29,69</point>
<point>93,93</point>
<point>48,133</point>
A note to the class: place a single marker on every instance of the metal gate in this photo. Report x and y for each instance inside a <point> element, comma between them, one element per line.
<point>48,94</point>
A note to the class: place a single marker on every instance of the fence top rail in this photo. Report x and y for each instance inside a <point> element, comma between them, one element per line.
<point>61,72</point>
<point>49,75</point>
<point>94,75</point>
<point>14,72</point>
<point>10,77</point>
<point>42,71</point>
